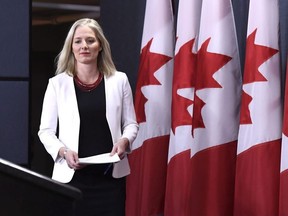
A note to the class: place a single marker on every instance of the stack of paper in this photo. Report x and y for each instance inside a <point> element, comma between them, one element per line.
<point>99,159</point>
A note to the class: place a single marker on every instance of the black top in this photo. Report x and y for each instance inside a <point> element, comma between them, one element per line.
<point>95,137</point>
<point>102,194</point>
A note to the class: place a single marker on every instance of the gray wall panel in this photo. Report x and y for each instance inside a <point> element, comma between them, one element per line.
<point>14,113</point>
<point>14,37</point>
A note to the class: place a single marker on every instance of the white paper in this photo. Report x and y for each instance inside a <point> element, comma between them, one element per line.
<point>100,159</point>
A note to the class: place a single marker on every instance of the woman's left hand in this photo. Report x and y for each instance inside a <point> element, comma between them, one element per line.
<point>120,147</point>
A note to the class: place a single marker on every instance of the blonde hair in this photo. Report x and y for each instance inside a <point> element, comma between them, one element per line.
<point>65,59</point>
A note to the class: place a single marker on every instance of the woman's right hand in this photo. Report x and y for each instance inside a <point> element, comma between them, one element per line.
<point>71,158</point>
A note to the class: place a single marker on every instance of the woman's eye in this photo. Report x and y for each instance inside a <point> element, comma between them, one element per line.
<point>90,41</point>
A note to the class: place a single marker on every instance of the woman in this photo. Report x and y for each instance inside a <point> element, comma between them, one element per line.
<point>92,104</point>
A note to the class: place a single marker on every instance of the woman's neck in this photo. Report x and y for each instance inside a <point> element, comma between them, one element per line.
<point>87,73</point>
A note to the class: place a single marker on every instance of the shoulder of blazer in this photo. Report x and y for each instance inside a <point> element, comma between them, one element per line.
<point>62,81</point>
<point>60,78</point>
<point>117,76</point>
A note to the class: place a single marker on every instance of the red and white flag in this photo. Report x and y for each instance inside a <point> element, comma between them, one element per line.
<point>259,141</point>
<point>283,207</point>
<point>216,106</point>
<point>148,160</point>
<point>177,197</point>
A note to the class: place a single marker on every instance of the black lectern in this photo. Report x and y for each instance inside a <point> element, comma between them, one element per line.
<point>27,193</point>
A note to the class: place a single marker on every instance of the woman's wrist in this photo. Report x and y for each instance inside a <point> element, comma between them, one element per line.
<point>63,152</point>
<point>126,143</point>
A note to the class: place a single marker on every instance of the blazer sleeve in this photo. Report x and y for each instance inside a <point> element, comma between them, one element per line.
<point>129,123</point>
<point>48,123</point>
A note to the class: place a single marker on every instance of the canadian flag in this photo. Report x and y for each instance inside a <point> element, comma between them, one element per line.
<point>215,122</point>
<point>207,97</point>
<point>148,160</point>
<point>177,197</point>
<point>283,207</point>
<point>258,152</point>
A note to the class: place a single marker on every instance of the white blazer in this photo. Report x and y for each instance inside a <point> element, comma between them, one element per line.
<point>60,107</point>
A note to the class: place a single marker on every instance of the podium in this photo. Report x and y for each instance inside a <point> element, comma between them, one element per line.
<point>27,193</point>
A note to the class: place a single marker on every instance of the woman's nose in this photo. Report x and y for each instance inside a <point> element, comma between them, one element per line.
<point>84,45</point>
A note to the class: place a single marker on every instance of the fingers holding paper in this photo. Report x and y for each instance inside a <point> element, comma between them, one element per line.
<point>72,160</point>
<point>120,147</point>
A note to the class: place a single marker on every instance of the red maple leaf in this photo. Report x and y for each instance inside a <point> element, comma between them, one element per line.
<point>245,112</point>
<point>149,64</point>
<point>207,64</point>
<point>256,55</point>
<point>197,117</point>
<point>183,77</point>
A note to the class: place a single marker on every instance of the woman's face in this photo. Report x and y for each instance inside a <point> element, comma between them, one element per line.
<point>85,45</point>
